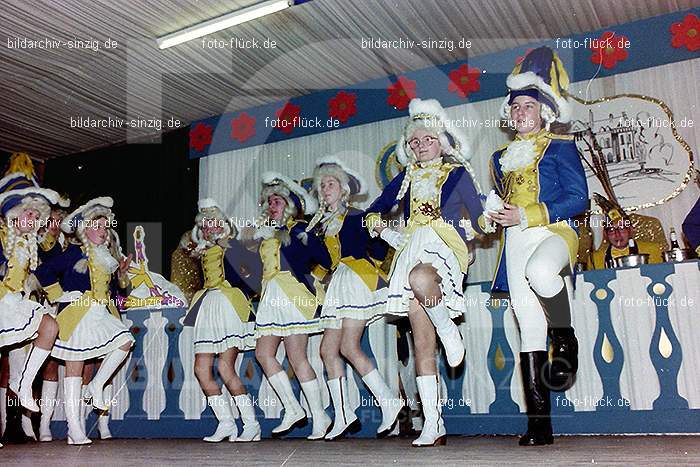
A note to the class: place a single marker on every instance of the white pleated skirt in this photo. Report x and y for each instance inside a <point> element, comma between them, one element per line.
<point>98,333</point>
<point>218,326</point>
<point>278,314</point>
<point>19,318</point>
<point>349,297</point>
<point>426,246</point>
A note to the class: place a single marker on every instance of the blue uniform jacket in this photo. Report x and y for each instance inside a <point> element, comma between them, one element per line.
<point>562,189</point>
<point>300,259</point>
<point>60,268</point>
<point>458,192</point>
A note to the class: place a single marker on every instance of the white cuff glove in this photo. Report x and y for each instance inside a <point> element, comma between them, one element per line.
<point>493,203</point>
<point>523,218</point>
<point>395,239</point>
<point>264,231</point>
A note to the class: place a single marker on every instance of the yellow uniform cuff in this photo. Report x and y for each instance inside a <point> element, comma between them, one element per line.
<point>53,292</point>
<point>319,272</point>
<point>537,215</point>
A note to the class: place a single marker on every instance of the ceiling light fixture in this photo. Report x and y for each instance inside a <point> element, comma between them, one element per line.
<point>223,22</point>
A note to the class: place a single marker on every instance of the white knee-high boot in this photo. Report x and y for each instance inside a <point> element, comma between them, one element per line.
<point>23,385</point>
<point>293,412</point>
<point>433,433</point>
<point>221,406</point>
<point>390,403</point>
<point>49,389</point>
<point>321,420</point>
<point>251,427</point>
<point>344,415</point>
<point>103,417</point>
<point>107,368</point>
<point>73,397</point>
<point>85,407</point>
<point>448,332</point>
<point>27,427</point>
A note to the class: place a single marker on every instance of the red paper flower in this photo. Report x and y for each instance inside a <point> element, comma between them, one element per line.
<point>686,33</point>
<point>464,80</point>
<point>342,106</point>
<point>288,117</point>
<point>609,49</point>
<point>401,92</point>
<point>242,127</point>
<point>200,136</point>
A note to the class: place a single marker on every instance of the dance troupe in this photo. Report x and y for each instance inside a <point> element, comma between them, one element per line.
<point>323,275</point>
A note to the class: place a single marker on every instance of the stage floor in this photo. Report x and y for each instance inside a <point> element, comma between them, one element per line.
<point>621,450</point>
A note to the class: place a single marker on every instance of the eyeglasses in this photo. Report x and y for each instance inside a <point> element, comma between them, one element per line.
<point>426,141</point>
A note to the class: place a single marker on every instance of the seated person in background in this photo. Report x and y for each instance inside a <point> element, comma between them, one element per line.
<point>691,227</point>
<point>616,237</point>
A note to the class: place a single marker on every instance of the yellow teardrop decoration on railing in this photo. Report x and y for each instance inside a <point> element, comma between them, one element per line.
<point>499,360</point>
<point>665,347</point>
<point>606,350</point>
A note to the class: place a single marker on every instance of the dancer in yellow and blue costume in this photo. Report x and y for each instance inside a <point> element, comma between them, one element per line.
<point>84,280</point>
<point>432,258</point>
<point>52,242</point>
<point>223,320</point>
<point>355,295</point>
<point>541,187</point>
<point>288,308</point>
<point>25,207</point>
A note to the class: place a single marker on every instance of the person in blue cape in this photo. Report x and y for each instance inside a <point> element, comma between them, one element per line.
<point>355,295</point>
<point>432,257</point>
<point>84,280</point>
<point>288,308</point>
<point>25,208</point>
<point>224,324</point>
<point>541,187</point>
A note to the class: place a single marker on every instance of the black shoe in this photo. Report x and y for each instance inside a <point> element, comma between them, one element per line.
<point>533,366</point>
<point>14,434</point>
<point>562,372</point>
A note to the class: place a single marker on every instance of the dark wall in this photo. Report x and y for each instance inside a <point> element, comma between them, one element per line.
<point>150,183</point>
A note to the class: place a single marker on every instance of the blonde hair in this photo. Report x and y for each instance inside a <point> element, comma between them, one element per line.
<point>32,244</point>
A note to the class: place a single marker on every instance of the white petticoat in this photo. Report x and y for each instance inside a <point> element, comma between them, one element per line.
<point>19,318</point>
<point>426,246</point>
<point>218,326</point>
<point>98,333</point>
<point>349,297</point>
<point>278,314</point>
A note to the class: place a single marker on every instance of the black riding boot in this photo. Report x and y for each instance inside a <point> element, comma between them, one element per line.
<point>14,434</point>
<point>539,423</point>
<point>562,373</point>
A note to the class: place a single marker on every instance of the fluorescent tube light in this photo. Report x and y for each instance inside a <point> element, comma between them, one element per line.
<point>222,22</point>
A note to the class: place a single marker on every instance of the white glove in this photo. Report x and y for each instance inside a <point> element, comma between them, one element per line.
<point>264,231</point>
<point>395,239</point>
<point>493,203</point>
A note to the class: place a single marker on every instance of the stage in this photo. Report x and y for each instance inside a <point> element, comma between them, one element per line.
<point>481,450</point>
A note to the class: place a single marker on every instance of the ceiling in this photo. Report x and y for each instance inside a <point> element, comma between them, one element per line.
<point>318,47</point>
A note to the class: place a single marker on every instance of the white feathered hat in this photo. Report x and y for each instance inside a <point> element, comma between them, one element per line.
<point>209,209</point>
<point>428,113</point>
<point>334,167</point>
<point>96,207</point>
<point>274,183</point>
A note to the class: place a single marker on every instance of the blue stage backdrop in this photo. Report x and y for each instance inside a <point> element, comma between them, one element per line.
<point>650,42</point>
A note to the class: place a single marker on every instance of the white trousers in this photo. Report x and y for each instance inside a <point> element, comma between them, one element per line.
<point>534,259</point>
